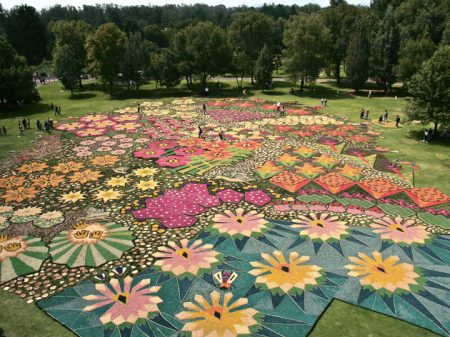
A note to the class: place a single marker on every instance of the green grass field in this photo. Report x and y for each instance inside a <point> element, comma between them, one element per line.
<point>340,319</point>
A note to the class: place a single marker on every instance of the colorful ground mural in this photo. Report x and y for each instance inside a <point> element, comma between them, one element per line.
<point>129,224</point>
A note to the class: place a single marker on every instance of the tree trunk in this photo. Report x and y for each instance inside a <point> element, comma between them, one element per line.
<point>187,82</point>
<point>156,84</point>
<point>435,128</point>
<point>251,75</point>
<point>302,83</point>
<point>79,82</point>
<point>337,72</point>
<point>110,88</point>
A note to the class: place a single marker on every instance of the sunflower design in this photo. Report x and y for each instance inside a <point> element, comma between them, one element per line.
<point>11,182</point>
<point>20,255</point>
<point>85,176</point>
<point>90,244</point>
<point>19,194</point>
<point>400,230</point>
<point>32,167</point>
<point>321,226</point>
<point>285,275</point>
<point>68,167</point>
<point>384,275</point>
<point>211,318</point>
<point>182,259</point>
<point>106,160</point>
<point>72,197</point>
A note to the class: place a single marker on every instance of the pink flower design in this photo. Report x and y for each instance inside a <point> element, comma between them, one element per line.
<point>90,132</point>
<point>102,124</point>
<point>104,149</point>
<point>400,230</point>
<point>129,303</point>
<point>172,161</point>
<point>127,140</point>
<point>83,154</point>
<point>118,152</point>
<point>126,118</point>
<point>183,260</point>
<point>119,136</point>
<point>322,227</point>
<point>239,224</point>
<point>125,145</point>
<point>102,139</point>
<point>189,151</point>
<point>129,126</point>
<point>81,148</point>
<point>69,126</point>
<point>88,142</point>
<point>109,143</point>
<point>162,144</point>
<point>148,153</point>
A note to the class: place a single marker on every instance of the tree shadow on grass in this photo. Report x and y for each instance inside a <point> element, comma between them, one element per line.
<point>437,140</point>
<point>25,110</point>
<point>83,95</point>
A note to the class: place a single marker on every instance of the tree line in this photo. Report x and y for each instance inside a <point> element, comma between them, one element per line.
<point>387,41</point>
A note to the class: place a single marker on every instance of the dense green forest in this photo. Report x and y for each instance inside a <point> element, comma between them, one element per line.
<point>386,42</point>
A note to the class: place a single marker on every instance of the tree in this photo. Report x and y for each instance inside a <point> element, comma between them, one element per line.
<point>384,51</point>
<point>184,62</point>
<point>105,49</point>
<point>164,69</point>
<point>248,33</point>
<point>357,58</point>
<point>306,39</point>
<point>339,18</point>
<point>2,20</point>
<point>264,68</point>
<point>430,90</point>
<point>66,68</point>
<point>412,55</point>
<point>16,80</point>
<point>156,35</point>
<point>208,50</point>
<point>73,35</point>
<point>27,34</point>
<point>135,60</point>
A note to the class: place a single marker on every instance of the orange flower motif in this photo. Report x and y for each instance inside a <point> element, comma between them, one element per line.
<point>247,145</point>
<point>217,154</point>
<point>85,176</point>
<point>67,167</point>
<point>47,180</point>
<point>11,182</point>
<point>214,145</point>
<point>104,160</point>
<point>32,167</point>
<point>19,194</point>
<point>191,142</point>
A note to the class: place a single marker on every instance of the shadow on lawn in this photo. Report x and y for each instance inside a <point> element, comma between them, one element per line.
<point>419,135</point>
<point>25,110</point>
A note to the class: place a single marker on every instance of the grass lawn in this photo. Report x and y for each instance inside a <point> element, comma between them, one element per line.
<point>340,319</point>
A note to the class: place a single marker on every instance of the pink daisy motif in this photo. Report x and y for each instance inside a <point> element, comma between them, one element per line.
<point>162,144</point>
<point>129,126</point>
<point>148,153</point>
<point>189,151</point>
<point>93,118</point>
<point>102,139</point>
<point>125,145</point>
<point>239,223</point>
<point>126,118</point>
<point>400,230</point>
<point>183,260</point>
<point>119,136</point>
<point>102,124</point>
<point>69,126</point>
<point>118,152</point>
<point>172,161</point>
<point>322,227</point>
<point>129,303</point>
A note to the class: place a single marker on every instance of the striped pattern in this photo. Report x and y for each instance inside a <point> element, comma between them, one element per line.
<point>94,254</point>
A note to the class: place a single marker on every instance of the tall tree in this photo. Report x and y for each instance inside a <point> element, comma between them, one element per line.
<point>73,35</point>
<point>264,68</point>
<point>306,39</point>
<point>65,66</point>
<point>27,34</point>
<point>430,90</point>
<point>248,33</point>
<point>208,50</point>
<point>339,19</point>
<point>2,20</point>
<point>384,51</point>
<point>357,58</point>
<point>163,68</point>
<point>412,55</point>
<point>16,81</point>
<point>135,60</point>
<point>184,62</point>
<point>105,49</point>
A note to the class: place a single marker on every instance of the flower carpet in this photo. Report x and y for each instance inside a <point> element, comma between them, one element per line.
<point>129,224</point>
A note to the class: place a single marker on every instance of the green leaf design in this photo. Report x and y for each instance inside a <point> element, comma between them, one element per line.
<point>355,202</point>
<point>434,220</point>
<point>396,210</point>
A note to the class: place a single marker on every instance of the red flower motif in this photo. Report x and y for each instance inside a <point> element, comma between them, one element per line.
<point>219,154</point>
<point>149,153</point>
<point>172,161</point>
<point>162,144</point>
<point>188,151</point>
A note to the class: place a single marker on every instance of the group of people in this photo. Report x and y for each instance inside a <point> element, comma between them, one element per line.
<point>55,108</point>
<point>220,135</point>
<point>364,114</point>
<point>3,130</point>
<point>24,124</point>
<point>428,135</point>
<point>323,101</point>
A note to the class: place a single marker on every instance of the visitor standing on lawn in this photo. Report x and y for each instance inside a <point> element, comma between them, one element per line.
<point>204,109</point>
<point>386,114</point>
<point>397,121</point>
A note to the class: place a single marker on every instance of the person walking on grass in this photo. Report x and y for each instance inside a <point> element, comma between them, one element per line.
<point>204,109</point>
<point>4,130</point>
<point>39,125</point>
<point>325,101</point>
<point>386,114</point>
<point>380,120</point>
<point>200,132</point>
<point>397,121</point>
<point>361,113</point>
<point>221,134</point>
<point>28,124</point>
<point>21,129</point>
